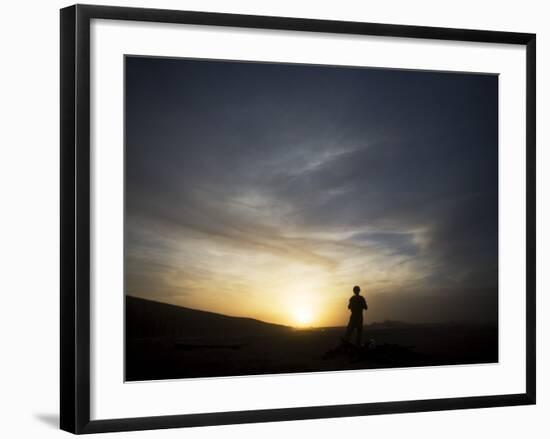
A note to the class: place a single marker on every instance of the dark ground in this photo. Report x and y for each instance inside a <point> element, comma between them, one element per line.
<point>165,341</point>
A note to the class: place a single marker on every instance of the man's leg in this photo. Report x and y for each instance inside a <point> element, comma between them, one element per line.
<point>359,333</point>
<point>349,330</point>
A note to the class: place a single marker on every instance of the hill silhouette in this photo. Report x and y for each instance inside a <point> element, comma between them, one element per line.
<point>148,318</point>
<point>166,341</point>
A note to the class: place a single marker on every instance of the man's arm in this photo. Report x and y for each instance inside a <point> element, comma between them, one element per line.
<point>365,306</point>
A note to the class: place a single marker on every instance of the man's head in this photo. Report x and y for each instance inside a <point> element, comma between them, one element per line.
<point>356,290</point>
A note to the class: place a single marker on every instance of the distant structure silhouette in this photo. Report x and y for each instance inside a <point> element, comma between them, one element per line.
<point>356,305</point>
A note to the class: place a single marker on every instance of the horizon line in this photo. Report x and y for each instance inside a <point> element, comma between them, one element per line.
<point>387,321</point>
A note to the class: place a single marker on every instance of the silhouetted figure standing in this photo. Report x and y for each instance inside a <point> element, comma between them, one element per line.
<point>356,305</point>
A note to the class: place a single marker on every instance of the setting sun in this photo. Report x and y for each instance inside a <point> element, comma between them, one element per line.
<point>302,316</point>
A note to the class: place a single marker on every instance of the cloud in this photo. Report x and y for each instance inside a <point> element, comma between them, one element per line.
<point>241,170</point>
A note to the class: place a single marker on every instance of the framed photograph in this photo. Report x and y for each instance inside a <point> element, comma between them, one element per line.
<point>274,218</point>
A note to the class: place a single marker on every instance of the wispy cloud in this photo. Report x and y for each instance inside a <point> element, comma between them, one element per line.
<point>251,185</point>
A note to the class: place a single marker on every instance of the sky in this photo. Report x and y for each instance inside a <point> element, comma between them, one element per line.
<point>269,190</point>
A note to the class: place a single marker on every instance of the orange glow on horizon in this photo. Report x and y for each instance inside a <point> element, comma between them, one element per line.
<point>302,317</point>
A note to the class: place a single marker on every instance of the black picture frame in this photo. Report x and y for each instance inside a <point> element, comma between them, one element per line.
<point>75,217</point>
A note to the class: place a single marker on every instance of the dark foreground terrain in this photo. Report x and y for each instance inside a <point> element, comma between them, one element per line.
<point>165,341</point>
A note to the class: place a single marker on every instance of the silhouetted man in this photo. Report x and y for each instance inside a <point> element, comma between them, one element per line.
<point>356,305</point>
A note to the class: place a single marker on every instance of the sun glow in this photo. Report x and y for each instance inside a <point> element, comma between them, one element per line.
<point>303,317</point>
